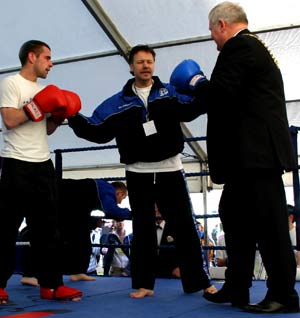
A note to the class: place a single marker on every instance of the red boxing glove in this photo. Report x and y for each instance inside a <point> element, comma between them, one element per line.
<point>46,101</point>
<point>72,108</point>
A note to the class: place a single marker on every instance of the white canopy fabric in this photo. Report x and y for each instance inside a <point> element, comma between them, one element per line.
<point>88,39</point>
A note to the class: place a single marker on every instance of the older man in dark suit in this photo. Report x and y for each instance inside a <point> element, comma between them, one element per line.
<point>249,147</point>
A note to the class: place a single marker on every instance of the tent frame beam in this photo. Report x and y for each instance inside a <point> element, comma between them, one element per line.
<point>108,26</point>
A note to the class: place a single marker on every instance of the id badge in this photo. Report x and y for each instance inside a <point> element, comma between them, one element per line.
<point>149,128</point>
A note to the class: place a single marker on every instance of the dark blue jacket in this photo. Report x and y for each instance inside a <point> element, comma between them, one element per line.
<point>108,200</point>
<point>122,117</point>
<point>81,196</point>
<point>247,124</point>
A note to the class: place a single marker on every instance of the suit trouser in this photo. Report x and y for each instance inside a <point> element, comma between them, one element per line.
<point>29,190</point>
<point>254,214</point>
<point>169,191</point>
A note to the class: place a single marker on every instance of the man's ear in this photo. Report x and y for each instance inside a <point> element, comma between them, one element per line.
<point>131,69</point>
<point>31,57</point>
<point>222,24</point>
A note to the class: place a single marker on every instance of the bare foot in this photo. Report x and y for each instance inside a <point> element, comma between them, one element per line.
<point>77,277</point>
<point>3,297</point>
<point>141,293</point>
<point>76,299</point>
<point>176,272</point>
<point>211,289</point>
<point>32,281</point>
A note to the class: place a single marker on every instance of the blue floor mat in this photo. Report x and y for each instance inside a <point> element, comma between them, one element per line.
<point>107,297</point>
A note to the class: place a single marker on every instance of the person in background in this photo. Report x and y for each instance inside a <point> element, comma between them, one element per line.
<point>116,261</point>
<point>78,197</point>
<point>28,189</point>
<point>214,233</point>
<point>74,224</point>
<point>249,147</point>
<point>211,254</point>
<point>292,228</point>
<point>95,265</point>
<point>259,271</point>
<point>167,259</point>
<point>221,254</point>
<point>145,118</point>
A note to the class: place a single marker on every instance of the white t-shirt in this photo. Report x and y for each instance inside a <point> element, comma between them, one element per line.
<point>293,236</point>
<point>221,254</point>
<point>120,259</point>
<point>95,239</point>
<point>29,141</point>
<point>159,231</point>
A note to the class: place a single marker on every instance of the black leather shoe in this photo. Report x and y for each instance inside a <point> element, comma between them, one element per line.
<point>224,295</point>
<point>270,306</point>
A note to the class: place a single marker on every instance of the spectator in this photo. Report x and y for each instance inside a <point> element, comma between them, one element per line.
<point>209,243</point>
<point>259,271</point>
<point>116,261</point>
<point>75,218</point>
<point>214,234</point>
<point>96,224</point>
<point>75,222</point>
<point>292,227</point>
<point>221,255</point>
<point>167,259</point>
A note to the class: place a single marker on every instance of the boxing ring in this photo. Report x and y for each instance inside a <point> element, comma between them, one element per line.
<point>203,174</point>
<point>108,297</point>
<point>215,272</point>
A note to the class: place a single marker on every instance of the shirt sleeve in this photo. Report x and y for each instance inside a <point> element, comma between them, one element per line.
<point>9,94</point>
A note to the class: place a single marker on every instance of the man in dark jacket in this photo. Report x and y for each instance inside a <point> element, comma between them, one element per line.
<point>249,147</point>
<point>145,118</point>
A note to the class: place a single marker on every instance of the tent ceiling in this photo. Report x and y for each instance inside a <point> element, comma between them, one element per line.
<point>89,40</point>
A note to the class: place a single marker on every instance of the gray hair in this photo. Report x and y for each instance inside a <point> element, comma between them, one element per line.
<point>229,12</point>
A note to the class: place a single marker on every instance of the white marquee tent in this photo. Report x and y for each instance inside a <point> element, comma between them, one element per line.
<point>90,39</point>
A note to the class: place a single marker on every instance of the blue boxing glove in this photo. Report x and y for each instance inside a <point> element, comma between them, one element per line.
<point>186,76</point>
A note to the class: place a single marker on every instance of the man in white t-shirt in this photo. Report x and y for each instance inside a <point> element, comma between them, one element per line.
<point>29,112</point>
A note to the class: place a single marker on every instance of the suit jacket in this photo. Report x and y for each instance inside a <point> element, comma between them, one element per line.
<point>247,121</point>
<point>167,258</point>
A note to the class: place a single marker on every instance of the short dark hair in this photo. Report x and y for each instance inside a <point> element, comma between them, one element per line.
<point>291,209</point>
<point>119,185</point>
<point>138,48</point>
<point>94,222</point>
<point>31,46</point>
